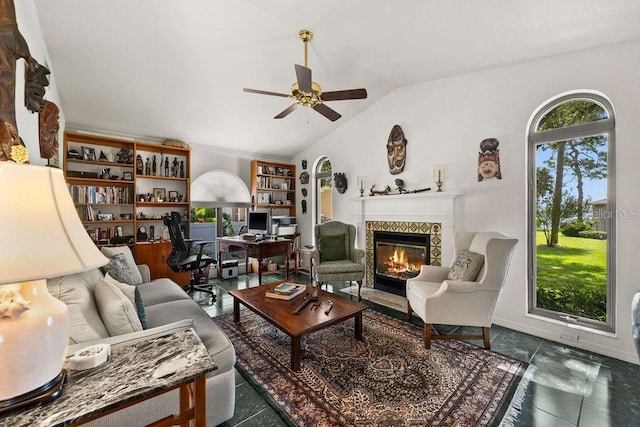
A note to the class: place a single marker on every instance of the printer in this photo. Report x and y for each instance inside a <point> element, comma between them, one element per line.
<point>283,225</point>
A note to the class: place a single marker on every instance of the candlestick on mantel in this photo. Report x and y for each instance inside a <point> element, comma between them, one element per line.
<point>361,184</point>
<point>439,175</point>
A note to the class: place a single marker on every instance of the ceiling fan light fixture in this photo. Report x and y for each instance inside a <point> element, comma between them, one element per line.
<point>309,93</point>
<point>308,99</point>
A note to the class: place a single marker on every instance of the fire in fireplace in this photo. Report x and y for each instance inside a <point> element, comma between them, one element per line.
<point>398,257</point>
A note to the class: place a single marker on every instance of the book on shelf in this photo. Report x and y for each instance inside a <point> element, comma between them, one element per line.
<point>297,290</point>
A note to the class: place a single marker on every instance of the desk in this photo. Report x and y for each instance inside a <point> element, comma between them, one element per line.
<point>256,249</point>
<point>125,379</point>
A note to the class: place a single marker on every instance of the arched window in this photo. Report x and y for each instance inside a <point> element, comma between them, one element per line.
<point>571,221</point>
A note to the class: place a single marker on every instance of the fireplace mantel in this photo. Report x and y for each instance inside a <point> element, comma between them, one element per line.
<point>421,195</point>
<point>429,206</point>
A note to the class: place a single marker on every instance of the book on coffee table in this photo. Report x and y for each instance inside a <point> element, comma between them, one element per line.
<point>286,295</point>
<point>285,288</point>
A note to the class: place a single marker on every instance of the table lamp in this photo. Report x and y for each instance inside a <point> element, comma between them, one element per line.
<point>42,237</point>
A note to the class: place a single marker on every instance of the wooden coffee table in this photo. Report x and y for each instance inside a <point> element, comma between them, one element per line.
<point>280,313</point>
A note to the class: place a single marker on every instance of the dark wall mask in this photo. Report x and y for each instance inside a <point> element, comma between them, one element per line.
<point>35,82</point>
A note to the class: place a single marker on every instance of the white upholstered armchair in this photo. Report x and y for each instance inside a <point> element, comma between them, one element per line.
<point>437,299</point>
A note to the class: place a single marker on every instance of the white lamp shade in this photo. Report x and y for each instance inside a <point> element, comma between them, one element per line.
<point>42,236</point>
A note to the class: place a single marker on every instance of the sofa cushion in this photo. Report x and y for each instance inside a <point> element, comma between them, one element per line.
<point>111,252</point>
<point>116,310</point>
<point>159,291</point>
<point>466,266</point>
<point>133,293</point>
<point>211,335</point>
<point>76,291</point>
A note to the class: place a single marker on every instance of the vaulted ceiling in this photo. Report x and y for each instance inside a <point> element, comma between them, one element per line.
<point>176,69</point>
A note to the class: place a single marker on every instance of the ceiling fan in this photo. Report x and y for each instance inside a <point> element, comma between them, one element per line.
<point>308,93</point>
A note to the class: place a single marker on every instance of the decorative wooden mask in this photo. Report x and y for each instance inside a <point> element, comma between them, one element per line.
<point>489,159</point>
<point>396,150</point>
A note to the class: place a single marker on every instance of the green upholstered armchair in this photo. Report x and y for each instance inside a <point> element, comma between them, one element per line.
<point>335,258</point>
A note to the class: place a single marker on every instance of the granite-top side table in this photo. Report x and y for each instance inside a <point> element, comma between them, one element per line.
<point>133,373</point>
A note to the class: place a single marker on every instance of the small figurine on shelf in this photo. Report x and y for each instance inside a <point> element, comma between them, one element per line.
<point>181,168</point>
<point>147,167</point>
<point>174,167</point>
<point>139,165</point>
<point>154,167</point>
<point>166,166</point>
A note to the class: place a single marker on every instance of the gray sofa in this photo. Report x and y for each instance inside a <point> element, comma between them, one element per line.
<point>167,309</point>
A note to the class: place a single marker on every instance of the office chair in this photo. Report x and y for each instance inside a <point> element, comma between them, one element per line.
<point>181,260</point>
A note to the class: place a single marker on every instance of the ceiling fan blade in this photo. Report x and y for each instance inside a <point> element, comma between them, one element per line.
<point>339,95</point>
<point>288,111</point>
<point>304,78</point>
<point>329,113</point>
<point>264,92</point>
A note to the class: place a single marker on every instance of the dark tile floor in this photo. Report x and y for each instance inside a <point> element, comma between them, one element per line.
<point>570,387</point>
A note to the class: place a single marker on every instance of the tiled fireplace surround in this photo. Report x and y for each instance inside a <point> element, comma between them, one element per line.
<point>430,213</point>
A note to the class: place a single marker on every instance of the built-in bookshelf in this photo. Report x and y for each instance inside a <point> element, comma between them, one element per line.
<point>120,196</point>
<point>273,186</point>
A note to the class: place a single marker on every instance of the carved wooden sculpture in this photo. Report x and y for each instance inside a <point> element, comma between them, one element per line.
<point>396,150</point>
<point>49,126</point>
<point>13,47</point>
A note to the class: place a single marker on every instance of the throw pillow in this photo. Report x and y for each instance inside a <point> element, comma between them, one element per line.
<point>331,247</point>
<point>116,310</point>
<point>118,269</point>
<point>133,293</point>
<point>466,266</point>
<point>75,291</point>
<point>110,252</point>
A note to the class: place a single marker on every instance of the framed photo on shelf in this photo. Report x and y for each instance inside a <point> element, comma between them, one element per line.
<point>105,217</point>
<point>127,176</point>
<point>173,196</point>
<point>88,153</point>
<point>159,194</point>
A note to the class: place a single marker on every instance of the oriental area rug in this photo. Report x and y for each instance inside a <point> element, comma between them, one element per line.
<point>388,379</point>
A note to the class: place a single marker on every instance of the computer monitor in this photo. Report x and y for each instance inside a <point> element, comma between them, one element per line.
<point>258,223</point>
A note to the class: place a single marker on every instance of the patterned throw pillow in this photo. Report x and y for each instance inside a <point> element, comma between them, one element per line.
<point>466,266</point>
<point>111,251</point>
<point>119,269</point>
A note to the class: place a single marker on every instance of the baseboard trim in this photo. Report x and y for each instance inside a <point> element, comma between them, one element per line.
<point>584,343</point>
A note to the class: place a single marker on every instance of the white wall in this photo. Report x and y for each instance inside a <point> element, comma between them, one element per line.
<point>27,122</point>
<point>444,122</point>
<point>205,159</point>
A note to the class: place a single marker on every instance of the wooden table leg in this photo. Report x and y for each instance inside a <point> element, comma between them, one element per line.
<point>295,353</point>
<point>286,259</point>
<point>200,401</point>
<point>236,309</point>
<point>358,326</point>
